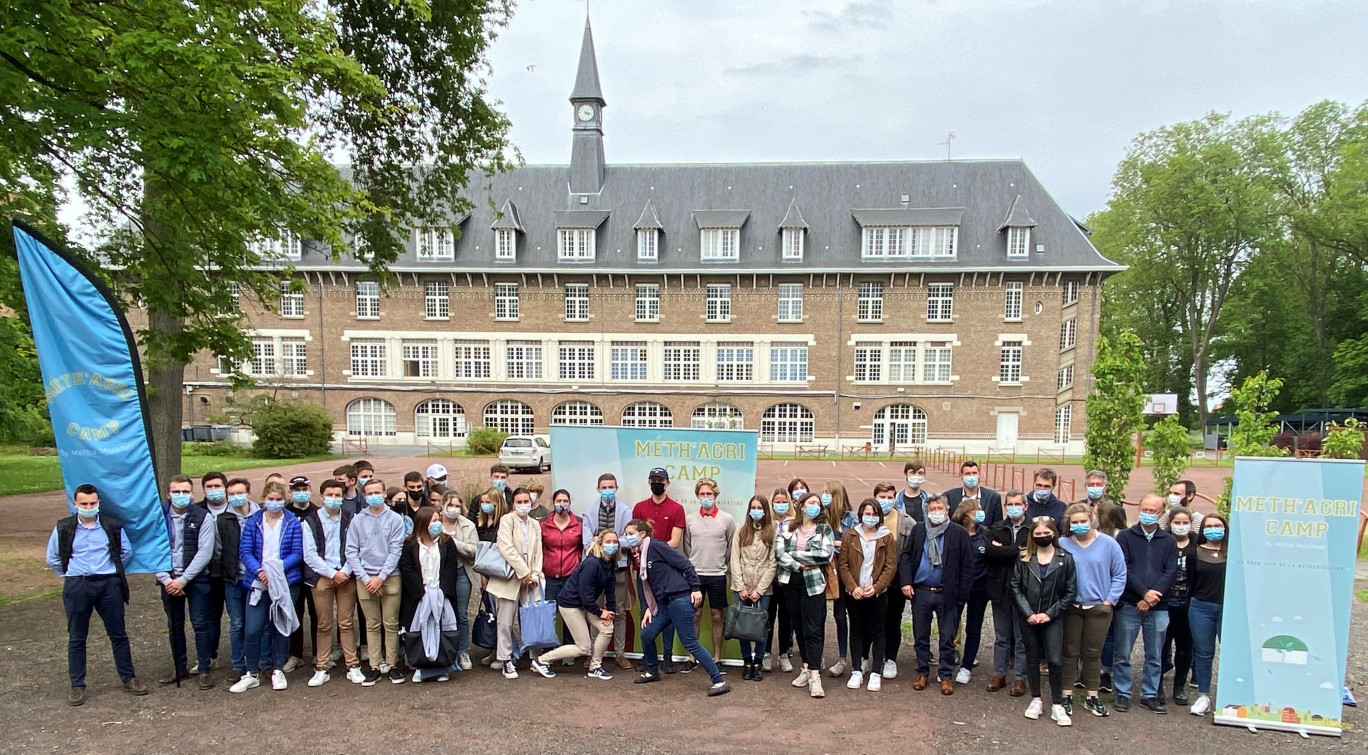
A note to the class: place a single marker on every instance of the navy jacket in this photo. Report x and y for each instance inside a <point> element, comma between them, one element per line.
<point>989,500</point>
<point>291,548</point>
<point>957,562</point>
<point>592,578</point>
<point>669,573</point>
<point>1151,564</point>
<point>1051,507</point>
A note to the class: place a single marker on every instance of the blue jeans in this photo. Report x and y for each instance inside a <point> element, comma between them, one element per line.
<point>554,585</point>
<point>676,613</point>
<point>1204,619</point>
<point>1130,623</point>
<point>266,647</point>
<point>82,596</point>
<point>927,607</point>
<point>235,601</point>
<point>754,652</point>
<point>462,609</point>
<point>197,598</point>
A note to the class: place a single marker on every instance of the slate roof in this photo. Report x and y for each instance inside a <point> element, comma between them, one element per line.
<point>586,78</point>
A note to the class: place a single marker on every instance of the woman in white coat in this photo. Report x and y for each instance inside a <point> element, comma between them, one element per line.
<point>519,542</point>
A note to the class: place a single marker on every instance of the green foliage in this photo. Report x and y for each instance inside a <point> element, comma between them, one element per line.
<point>485,440</point>
<point>1343,441</point>
<point>28,473</point>
<point>217,448</point>
<point>290,429</point>
<point>1114,409</point>
<point>1170,444</point>
<point>1254,426</point>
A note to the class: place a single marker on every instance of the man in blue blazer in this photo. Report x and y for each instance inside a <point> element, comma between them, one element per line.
<point>988,499</point>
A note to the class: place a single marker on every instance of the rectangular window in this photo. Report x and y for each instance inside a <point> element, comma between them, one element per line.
<point>902,362</point>
<point>367,300</point>
<point>788,363</point>
<point>283,246</point>
<point>1009,367</point>
<point>735,362</point>
<point>648,243</point>
<point>1018,243</point>
<point>505,301</point>
<point>471,359</point>
<point>868,361</point>
<point>719,302</point>
<point>1065,379</point>
<point>523,360</point>
<point>790,302</point>
<point>1063,422</point>
<point>437,300</point>
<point>436,244</point>
<point>1011,309</point>
<point>505,244</point>
<point>1068,334</point>
<point>869,307</point>
<point>577,302</point>
<point>263,357</point>
<point>936,362</point>
<point>576,244</point>
<point>793,244</point>
<point>720,244</point>
<point>420,359</point>
<point>682,360</point>
<point>884,243</point>
<point>235,295</point>
<point>933,241</point>
<point>368,358</point>
<point>628,360</point>
<point>648,302</point>
<point>940,302</point>
<point>576,360</point>
<point>293,357</point>
<point>1070,292</point>
<point>291,302</point>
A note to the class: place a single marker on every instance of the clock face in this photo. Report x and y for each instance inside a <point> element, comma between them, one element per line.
<point>585,112</point>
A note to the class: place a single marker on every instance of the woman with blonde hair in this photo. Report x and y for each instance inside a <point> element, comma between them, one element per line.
<point>489,508</point>
<point>802,552</point>
<point>590,626</point>
<point>781,504</point>
<point>1043,586</point>
<point>752,571</point>
<point>971,516</point>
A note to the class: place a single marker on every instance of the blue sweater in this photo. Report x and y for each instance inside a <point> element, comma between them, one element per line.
<point>668,572</point>
<point>1101,570</point>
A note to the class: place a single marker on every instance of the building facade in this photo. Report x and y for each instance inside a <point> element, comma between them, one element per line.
<point>899,304</point>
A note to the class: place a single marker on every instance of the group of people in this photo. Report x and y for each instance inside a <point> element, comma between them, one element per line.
<point>1072,586</point>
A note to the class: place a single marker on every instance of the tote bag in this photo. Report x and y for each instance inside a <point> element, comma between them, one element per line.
<point>490,562</point>
<point>537,617</point>
<point>744,621</point>
<point>416,657</point>
<point>485,631</point>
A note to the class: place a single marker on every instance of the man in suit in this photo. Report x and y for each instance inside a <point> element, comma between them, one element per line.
<point>936,569</point>
<point>988,499</point>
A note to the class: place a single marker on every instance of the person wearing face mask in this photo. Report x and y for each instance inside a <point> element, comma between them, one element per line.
<point>214,485</point>
<point>562,536</point>
<point>781,506</point>
<point>667,520</point>
<point>1205,604</point>
<point>802,551</point>
<point>542,507</point>
<point>302,506</point>
<point>971,490</point>
<point>866,563</point>
<point>328,576</point>
<point>1101,505</point>
<point>365,472</point>
<point>1101,577</point>
<point>1044,585</point>
<point>498,478</point>
<point>1182,494</point>
<point>436,475</point>
<point>842,517</point>
<point>1151,567</point>
<point>227,540</point>
<point>415,495</point>
<point>89,551</point>
<point>708,535</point>
<point>519,541</point>
<point>375,541</point>
<point>936,568</point>
<point>912,499</point>
<point>751,572</point>
<point>586,620</point>
<point>1043,501</point>
<point>463,535</point>
<point>272,549</point>
<point>611,514</point>
<point>190,533</point>
<point>900,526</point>
<point>429,568</point>
<point>971,517</point>
<point>1177,652</point>
<point>490,509</point>
<point>1006,541</point>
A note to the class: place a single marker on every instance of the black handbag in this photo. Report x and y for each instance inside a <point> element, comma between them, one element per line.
<point>744,622</point>
<point>485,631</point>
<point>416,658</point>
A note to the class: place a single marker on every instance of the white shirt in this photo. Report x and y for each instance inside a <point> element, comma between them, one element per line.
<point>430,561</point>
<point>270,538</point>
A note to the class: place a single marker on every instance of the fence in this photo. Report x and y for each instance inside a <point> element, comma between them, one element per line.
<point>355,446</point>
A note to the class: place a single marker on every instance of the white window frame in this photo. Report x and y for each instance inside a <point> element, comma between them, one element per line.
<point>439,409</point>
<point>718,307</point>
<point>790,302</point>
<point>420,359</point>
<point>648,244</point>
<point>884,242</point>
<point>369,358</point>
<point>940,302</point>
<point>371,417</point>
<point>1015,292</point>
<point>294,356</point>
<point>648,302</point>
<point>576,360</point>
<point>367,300</point>
<point>285,245</point>
<point>682,362</point>
<point>937,362</point>
<point>717,415</point>
<point>902,361</point>
<point>1018,243</point>
<point>510,416</point>
<point>506,301</point>
<point>788,362</point>
<point>1068,334</point>
<point>436,244</point>
<point>576,244</point>
<point>436,300</point>
<point>471,360</point>
<point>291,302</point>
<point>1065,378</point>
<point>628,360</point>
<point>1070,293</point>
<point>933,242</point>
<point>263,361</point>
<point>1063,423</point>
<point>792,245</point>
<point>1009,364</point>
<point>719,244</point>
<point>868,361</point>
<point>235,295</point>
<point>788,422</point>
<point>505,245</point>
<point>523,360</point>
<point>647,414</point>
<point>577,302</point>
<point>869,301</point>
<point>735,362</point>
<point>576,414</point>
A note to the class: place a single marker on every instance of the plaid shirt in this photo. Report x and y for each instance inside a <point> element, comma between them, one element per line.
<point>820,548</point>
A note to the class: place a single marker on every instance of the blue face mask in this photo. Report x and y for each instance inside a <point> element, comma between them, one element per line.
<point>826,499</point>
<point>971,481</point>
<point>781,508</point>
<point>812,510</point>
<point>1015,512</point>
<point>1041,495</point>
<point>756,515</point>
<point>1214,534</point>
<point>608,495</point>
<point>706,503</point>
<point>89,513</point>
<point>501,485</point>
<point>870,520</point>
<point>1080,528</point>
<point>980,515</point>
<point>180,500</point>
<point>214,494</point>
<point>332,504</point>
<point>435,529</point>
<point>631,541</point>
<point>300,496</point>
<point>375,500</point>
<point>1149,520</point>
<point>237,499</point>
<point>275,506</point>
<point>610,549</point>
<point>886,504</point>
<point>1095,492</point>
<point>487,508</point>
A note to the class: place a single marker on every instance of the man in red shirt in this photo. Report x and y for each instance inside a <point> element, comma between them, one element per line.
<point>667,521</point>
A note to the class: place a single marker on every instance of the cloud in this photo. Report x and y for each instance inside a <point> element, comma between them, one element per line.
<point>867,14</point>
<point>793,64</point>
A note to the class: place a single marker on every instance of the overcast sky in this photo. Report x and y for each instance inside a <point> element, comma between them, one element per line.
<point>1064,85</point>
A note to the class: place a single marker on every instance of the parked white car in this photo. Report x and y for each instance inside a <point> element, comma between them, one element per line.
<point>525,452</point>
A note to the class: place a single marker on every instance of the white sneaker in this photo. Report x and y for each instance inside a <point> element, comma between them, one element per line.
<point>864,666</point>
<point>248,681</point>
<point>890,670</point>
<point>465,660</point>
<point>355,675</point>
<point>444,677</point>
<point>509,670</point>
<point>1034,709</point>
<point>767,664</point>
<point>1058,715</point>
<point>962,677</point>
<point>1200,707</point>
<point>875,683</point>
<point>292,664</point>
<point>856,680</point>
<point>837,668</point>
<point>278,681</point>
<point>804,678</point>
<point>815,686</point>
<point>785,665</point>
<point>417,676</point>
<point>320,678</point>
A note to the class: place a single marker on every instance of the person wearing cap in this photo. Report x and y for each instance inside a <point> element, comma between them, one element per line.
<point>302,506</point>
<point>667,520</point>
<point>436,475</point>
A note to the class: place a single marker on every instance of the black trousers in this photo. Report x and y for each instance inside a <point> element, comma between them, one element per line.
<point>1044,642</point>
<point>867,635</point>
<point>897,602</point>
<point>1178,646</point>
<point>779,617</point>
<point>807,613</point>
<point>304,600</point>
<point>82,596</point>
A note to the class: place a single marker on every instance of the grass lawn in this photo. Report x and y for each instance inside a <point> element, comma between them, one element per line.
<point>37,474</point>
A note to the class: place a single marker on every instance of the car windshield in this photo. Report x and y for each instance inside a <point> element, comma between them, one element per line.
<point>517,443</point>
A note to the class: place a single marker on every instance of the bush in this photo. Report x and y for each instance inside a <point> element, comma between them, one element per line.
<point>217,448</point>
<point>1309,442</point>
<point>1170,444</point>
<point>485,440</point>
<point>291,429</point>
<point>1283,441</point>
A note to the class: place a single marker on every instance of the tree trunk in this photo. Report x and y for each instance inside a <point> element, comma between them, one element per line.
<point>165,388</point>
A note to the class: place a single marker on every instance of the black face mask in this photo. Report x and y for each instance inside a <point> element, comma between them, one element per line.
<point>415,495</point>
<point>657,488</point>
<point>1043,541</point>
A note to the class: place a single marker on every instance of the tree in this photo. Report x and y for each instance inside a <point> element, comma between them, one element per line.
<point>1169,444</point>
<point>1254,427</point>
<point>1343,441</point>
<point>192,130</point>
<point>1115,408</point>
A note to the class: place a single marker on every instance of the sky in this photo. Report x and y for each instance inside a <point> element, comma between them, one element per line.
<point>1063,84</point>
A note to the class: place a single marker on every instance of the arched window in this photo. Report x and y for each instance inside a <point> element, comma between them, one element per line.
<point>647,414</point>
<point>439,418</point>
<point>509,416</point>
<point>716,415</point>
<point>899,424</point>
<point>576,413</point>
<point>369,417</point>
<point>787,423</point>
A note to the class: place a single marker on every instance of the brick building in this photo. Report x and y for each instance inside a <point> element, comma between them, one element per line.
<point>945,303</point>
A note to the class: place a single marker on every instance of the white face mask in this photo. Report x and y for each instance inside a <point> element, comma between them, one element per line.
<point>936,517</point>
<point>1174,500</point>
<point>523,508</point>
<point>534,496</point>
<point>1182,530</point>
<point>915,480</point>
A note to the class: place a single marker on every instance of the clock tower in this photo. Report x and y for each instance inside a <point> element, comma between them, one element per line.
<point>586,102</point>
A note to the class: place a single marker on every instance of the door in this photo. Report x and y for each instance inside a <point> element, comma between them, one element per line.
<point>1007,431</point>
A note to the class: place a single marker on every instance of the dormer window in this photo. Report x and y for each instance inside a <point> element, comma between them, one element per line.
<point>577,244</point>
<point>505,244</point>
<point>720,244</point>
<point>648,242</point>
<point>793,244</point>
<point>792,229</point>
<point>911,233</point>
<point>436,244</point>
<point>283,246</point>
<point>1018,243</point>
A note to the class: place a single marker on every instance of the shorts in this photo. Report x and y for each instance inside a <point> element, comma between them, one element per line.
<point>715,591</point>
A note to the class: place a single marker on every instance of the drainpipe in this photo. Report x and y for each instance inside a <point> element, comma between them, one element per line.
<point>840,346</point>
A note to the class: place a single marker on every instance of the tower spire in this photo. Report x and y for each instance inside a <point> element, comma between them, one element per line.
<point>587,162</point>
<point>587,78</point>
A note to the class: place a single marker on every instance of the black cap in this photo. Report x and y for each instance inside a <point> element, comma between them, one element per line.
<point>659,472</point>
<point>298,480</point>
